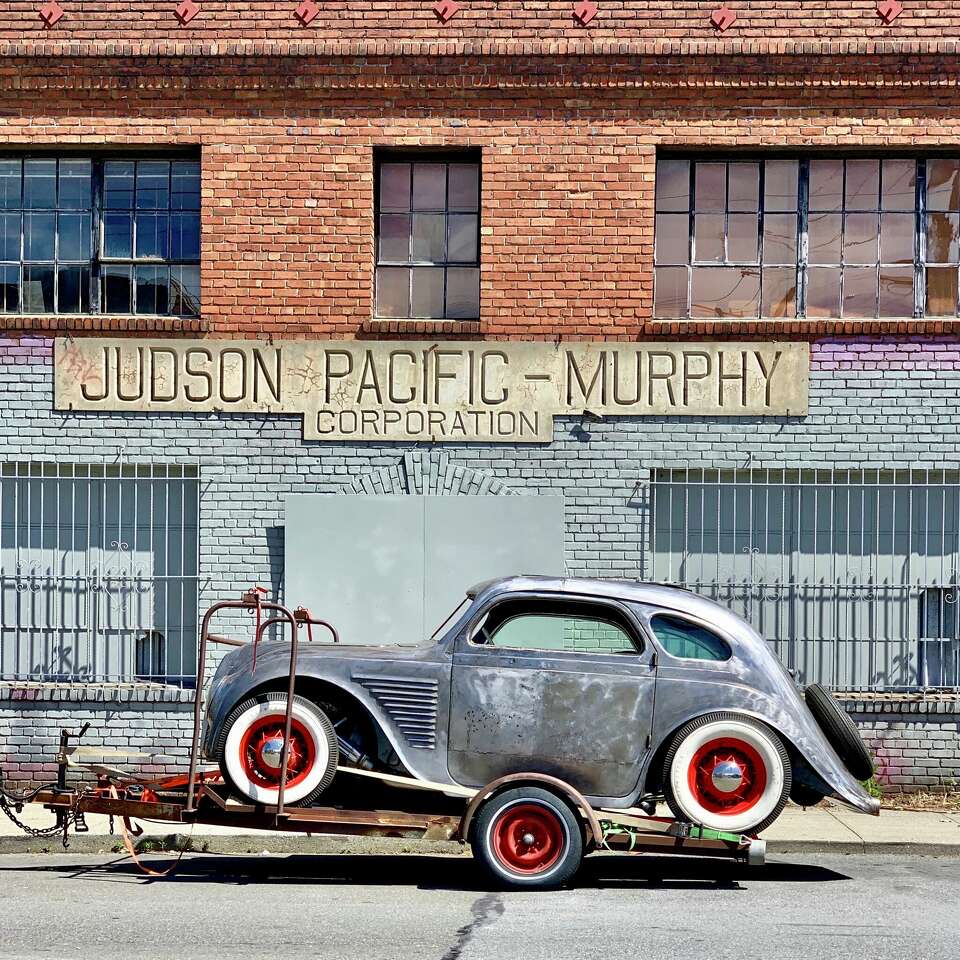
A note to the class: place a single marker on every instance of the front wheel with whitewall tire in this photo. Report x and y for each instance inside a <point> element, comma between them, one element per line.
<point>727,772</point>
<point>527,837</point>
<point>250,745</point>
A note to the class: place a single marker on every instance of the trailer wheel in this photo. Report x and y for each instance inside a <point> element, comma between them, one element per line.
<point>727,772</point>
<point>251,740</point>
<point>528,837</point>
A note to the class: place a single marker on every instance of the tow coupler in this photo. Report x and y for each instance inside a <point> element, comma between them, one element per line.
<point>12,802</point>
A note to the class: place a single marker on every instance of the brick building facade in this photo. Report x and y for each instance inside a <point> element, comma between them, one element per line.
<point>291,125</point>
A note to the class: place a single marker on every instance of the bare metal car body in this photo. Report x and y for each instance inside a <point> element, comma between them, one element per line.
<point>461,713</point>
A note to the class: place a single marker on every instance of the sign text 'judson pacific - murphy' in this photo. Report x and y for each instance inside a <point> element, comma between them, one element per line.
<point>435,391</point>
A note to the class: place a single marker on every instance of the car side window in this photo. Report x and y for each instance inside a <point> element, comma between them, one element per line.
<point>571,633</point>
<point>687,641</point>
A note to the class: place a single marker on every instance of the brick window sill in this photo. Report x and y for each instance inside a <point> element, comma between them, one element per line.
<point>797,329</point>
<point>80,324</point>
<point>467,328</point>
<point>920,701</point>
<point>26,691</point>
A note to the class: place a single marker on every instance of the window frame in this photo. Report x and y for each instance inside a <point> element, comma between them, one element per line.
<point>96,296</point>
<point>413,156</point>
<point>134,261</point>
<point>614,613</point>
<point>920,264</point>
<point>693,622</point>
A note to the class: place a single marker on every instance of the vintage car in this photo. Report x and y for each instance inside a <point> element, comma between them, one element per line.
<point>627,691</point>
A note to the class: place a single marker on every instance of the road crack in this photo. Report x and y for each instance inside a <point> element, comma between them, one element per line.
<point>485,911</point>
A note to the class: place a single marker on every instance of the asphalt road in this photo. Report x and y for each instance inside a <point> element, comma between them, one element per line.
<point>437,908</point>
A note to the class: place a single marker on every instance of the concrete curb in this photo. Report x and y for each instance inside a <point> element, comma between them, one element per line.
<point>255,844</point>
<point>918,849</point>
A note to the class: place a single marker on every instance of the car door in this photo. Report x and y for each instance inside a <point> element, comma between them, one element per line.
<point>552,686</point>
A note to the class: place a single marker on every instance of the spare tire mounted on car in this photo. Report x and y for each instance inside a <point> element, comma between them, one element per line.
<point>840,730</point>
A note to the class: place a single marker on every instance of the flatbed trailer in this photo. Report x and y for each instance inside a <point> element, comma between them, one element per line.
<point>407,808</point>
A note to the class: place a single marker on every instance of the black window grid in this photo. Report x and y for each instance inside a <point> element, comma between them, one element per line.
<point>412,263</point>
<point>919,264</point>
<point>32,263</point>
<point>93,265</point>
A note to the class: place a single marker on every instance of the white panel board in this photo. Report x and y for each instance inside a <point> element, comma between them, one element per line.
<point>357,562</point>
<point>388,569</point>
<point>469,539</point>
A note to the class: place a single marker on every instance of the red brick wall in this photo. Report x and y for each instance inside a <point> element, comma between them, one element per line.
<point>568,161</point>
<point>477,20</point>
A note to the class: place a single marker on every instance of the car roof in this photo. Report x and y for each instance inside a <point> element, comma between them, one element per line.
<point>619,588</point>
<point>667,596</point>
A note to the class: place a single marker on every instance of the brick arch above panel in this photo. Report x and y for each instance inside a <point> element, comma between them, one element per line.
<point>433,474</point>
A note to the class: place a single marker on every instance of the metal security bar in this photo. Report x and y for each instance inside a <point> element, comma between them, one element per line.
<point>99,572</point>
<point>852,575</point>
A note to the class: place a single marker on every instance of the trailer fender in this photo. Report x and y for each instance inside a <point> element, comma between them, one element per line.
<point>574,797</point>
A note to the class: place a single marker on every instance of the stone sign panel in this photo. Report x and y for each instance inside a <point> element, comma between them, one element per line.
<point>437,391</point>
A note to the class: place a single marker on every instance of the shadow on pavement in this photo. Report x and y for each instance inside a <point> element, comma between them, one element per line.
<point>430,872</point>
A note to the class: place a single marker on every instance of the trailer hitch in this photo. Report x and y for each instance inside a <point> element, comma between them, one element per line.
<point>62,756</point>
<point>12,803</point>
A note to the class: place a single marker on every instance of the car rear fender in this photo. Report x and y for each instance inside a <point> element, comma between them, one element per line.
<point>798,728</point>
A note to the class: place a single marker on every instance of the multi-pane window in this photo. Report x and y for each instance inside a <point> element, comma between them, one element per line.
<point>151,236</point>
<point>428,238</point>
<point>814,237</point>
<point>861,230</point>
<point>941,253</point>
<point>79,235</point>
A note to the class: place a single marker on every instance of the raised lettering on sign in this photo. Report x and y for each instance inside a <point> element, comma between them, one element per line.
<point>458,392</point>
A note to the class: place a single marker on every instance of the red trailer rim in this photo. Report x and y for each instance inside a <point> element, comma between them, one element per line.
<point>301,756</point>
<point>528,838</point>
<point>753,776</point>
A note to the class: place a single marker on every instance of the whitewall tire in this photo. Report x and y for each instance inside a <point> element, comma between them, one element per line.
<point>727,772</point>
<point>251,741</point>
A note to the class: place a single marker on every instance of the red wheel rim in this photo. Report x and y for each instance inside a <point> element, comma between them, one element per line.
<point>528,838</point>
<point>300,757</point>
<point>753,776</point>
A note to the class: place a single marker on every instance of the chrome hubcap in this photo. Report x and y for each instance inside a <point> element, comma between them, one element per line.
<point>270,752</point>
<point>727,776</point>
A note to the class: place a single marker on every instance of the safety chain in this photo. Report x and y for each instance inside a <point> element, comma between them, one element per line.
<point>73,817</point>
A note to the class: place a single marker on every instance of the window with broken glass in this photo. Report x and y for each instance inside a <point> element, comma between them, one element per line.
<point>810,237</point>
<point>427,238</point>
<point>82,235</point>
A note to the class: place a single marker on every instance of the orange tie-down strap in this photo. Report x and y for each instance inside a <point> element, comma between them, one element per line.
<point>128,829</point>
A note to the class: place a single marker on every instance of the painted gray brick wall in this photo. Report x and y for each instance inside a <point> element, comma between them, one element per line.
<point>862,414</point>
<point>916,752</point>
<point>30,735</point>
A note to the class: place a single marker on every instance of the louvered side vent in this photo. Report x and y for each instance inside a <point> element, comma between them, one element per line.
<point>411,704</point>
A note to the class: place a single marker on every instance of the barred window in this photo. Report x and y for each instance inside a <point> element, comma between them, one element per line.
<point>428,237</point>
<point>99,572</point>
<point>80,235</point>
<point>852,575</point>
<point>814,237</point>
